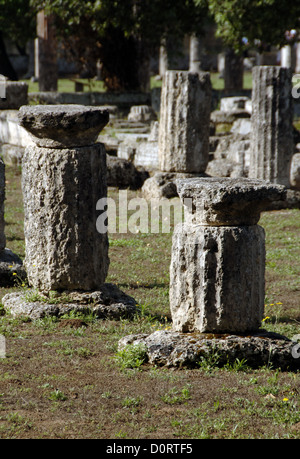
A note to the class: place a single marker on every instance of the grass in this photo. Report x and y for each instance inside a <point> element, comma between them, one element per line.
<point>67,85</point>
<point>73,383</point>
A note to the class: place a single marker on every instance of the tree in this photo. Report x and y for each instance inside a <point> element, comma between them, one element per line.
<point>122,33</point>
<point>244,23</point>
<point>17,23</point>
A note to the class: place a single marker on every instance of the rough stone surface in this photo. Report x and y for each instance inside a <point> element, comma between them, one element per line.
<point>173,349</point>
<point>232,103</point>
<point>163,184</point>
<point>108,302</point>
<point>122,173</point>
<point>2,200</point>
<point>227,201</point>
<point>142,113</point>
<point>61,126</point>
<point>220,117</point>
<point>217,278</point>
<point>63,249</point>
<point>272,143</point>
<point>16,93</point>
<point>295,171</point>
<point>184,122</point>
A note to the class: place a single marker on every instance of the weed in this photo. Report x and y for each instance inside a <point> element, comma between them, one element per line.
<point>210,361</point>
<point>57,395</point>
<point>174,396</point>
<point>237,365</point>
<point>131,356</point>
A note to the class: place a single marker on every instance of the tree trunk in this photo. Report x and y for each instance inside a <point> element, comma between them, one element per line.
<point>234,71</point>
<point>124,63</point>
<point>6,67</point>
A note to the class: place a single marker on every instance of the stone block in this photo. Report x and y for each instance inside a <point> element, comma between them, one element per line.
<point>272,142</point>
<point>295,171</point>
<point>142,113</point>
<point>61,126</point>
<point>183,143</point>
<point>228,104</point>
<point>217,278</point>
<point>61,187</point>
<point>16,94</point>
<point>226,201</point>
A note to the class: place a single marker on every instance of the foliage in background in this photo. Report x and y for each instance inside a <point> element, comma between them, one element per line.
<point>261,22</point>
<point>122,34</point>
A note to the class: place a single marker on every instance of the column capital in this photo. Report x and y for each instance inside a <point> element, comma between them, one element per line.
<point>63,126</point>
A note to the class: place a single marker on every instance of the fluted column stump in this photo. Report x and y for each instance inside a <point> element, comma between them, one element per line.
<point>183,139</point>
<point>63,177</point>
<point>272,143</point>
<point>217,280</point>
<point>218,256</point>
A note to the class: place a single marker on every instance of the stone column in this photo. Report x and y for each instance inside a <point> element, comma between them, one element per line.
<point>46,53</point>
<point>195,54</point>
<point>183,138</point>
<point>2,199</point>
<point>218,255</point>
<point>272,144</point>
<point>184,122</point>
<point>63,177</point>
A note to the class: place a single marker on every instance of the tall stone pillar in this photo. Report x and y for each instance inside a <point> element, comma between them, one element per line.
<point>218,255</point>
<point>63,179</point>
<point>63,176</point>
<point>195,54</point>
<point>46,53</point>
<point>183,138</point>
<point>272,144</point>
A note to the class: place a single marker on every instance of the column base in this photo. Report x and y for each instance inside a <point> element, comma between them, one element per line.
<point>173,349</point>
<point>109,302</point>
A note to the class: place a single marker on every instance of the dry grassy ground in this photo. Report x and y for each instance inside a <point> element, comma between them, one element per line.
<point>63,379</point>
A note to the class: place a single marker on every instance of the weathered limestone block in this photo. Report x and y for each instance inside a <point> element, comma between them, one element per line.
<point>174,349</point>
<point>61,188</point>
<point>272,144</point>
<point>2,199</point>
<point>61,126</point>
<point>228,104</point>
<point>16,94</point>
<point>295,171</point>
<point>184,122</point>
<point>227,201</point>
<point>123,174</point>
<point>218,255</point>
<point>217,278</point>
<point>142,113</point>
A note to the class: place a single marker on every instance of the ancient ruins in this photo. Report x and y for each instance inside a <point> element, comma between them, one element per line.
<point>63,176</point>
<point>224,179</point>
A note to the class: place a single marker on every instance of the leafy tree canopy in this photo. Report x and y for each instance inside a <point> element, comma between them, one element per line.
<point>259,21</point>
<point>17,20</point>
